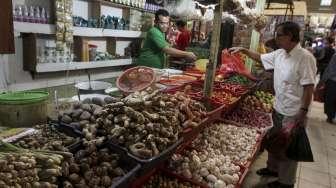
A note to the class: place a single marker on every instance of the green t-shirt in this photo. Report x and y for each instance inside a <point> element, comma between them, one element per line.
<point>151,54</point>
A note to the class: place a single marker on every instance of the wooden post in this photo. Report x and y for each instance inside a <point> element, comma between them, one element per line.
<point>215,37</point>
<point>255,38</point>
<point>6,28</point>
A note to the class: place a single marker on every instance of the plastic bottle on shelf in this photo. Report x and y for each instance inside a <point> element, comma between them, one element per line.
<point>47,17</point>
<point>146,6</point>
<point>25,14</point>
<point>38,15</point>
<point>31,14</point>
<point>143,3</point>
<point>43,16</point>
<point>151,7</point>
<point>14,14</point>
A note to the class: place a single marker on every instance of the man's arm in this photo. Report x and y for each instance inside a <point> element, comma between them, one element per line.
<point>253,55</point>
<point>308,91</point>
<point>179,53</point>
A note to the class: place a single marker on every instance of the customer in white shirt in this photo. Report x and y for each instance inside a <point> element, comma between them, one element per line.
<point>294,79</point>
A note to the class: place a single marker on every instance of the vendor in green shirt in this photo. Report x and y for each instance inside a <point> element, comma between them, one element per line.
<point>155,46</point>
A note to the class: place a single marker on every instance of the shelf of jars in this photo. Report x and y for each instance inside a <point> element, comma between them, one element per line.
<point>141,5</point>
<point>49,29</point>
<point>71,66</point>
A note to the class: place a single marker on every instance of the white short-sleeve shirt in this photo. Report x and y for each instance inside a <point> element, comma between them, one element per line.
<point>291,72</point>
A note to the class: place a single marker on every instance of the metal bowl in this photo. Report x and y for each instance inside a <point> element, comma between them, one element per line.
<point>92,87</point>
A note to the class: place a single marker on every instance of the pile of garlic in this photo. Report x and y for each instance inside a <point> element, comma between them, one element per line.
<point>209,167</point>
<point>236,142</point>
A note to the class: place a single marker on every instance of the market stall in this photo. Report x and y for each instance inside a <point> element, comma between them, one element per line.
<point>200,127</point>
<point>166,137</point>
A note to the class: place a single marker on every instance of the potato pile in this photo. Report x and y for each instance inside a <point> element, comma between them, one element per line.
<point>85,112</point>
<point>47,137</point>
<point>92,168</point>
<point>236,142</point>
<point>162,181</point>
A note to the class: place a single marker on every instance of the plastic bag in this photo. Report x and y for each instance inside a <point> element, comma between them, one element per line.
<point>278,141</point>
<point>234,63</point>
<point>299,148</point>
<point>319,92</point>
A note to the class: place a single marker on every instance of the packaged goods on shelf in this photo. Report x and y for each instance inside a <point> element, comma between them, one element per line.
<point>32,14</point>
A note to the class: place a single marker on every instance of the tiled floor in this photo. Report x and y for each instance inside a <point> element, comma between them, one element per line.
<point>319,174</point>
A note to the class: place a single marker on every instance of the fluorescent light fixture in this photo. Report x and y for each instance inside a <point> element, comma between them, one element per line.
<point>325,2</point>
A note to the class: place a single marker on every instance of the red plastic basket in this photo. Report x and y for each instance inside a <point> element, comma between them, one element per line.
<point>136,79</point>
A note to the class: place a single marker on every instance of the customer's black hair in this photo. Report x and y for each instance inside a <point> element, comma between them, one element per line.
<point>291,28</point>
<point>161,12</point>
<point>181,23</point>
<point>330,40</point>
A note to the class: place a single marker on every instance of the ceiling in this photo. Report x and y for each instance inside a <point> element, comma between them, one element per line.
<point>313,6</point>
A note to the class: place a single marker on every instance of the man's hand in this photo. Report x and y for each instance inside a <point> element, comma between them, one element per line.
<point>234,50</point>
<point>191,56</point>
<point>301,117</point>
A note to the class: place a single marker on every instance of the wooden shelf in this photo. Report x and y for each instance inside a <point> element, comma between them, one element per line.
<point>100,32</point>
<point>26,27</point>
<point>117,5</point>
<point>49,29</point>
<point>56,67</point>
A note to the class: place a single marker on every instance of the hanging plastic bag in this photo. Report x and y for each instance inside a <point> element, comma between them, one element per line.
<point>299,148</point>
<point>319,92</point>
<point>234,63</point>
<point>277,141</point>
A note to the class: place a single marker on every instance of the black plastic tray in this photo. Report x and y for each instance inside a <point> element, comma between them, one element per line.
<point>127,163</point>
<point>67,128</point>
<point>69,131</point>
<point>149,164</point>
